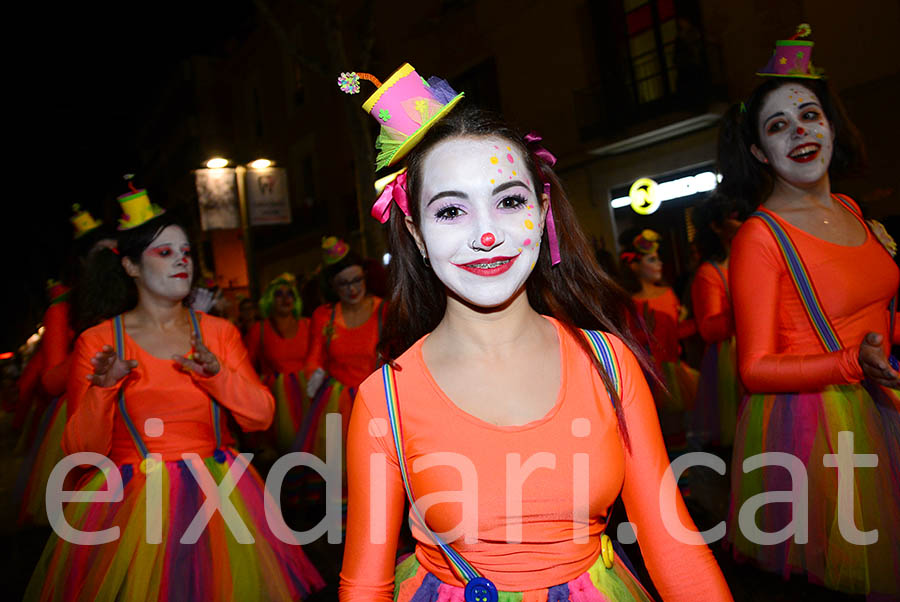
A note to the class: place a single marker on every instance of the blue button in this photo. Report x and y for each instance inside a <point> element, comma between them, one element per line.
<point>480,589</point>
<point>219,455</point>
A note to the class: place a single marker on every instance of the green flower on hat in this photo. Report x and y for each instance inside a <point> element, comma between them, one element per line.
<point>384,114</point>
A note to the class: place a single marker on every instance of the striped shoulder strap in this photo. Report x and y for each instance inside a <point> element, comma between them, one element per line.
<point>722,276</point>
<point>800,276</point>
<point>216,409</point>
<point>603,351</point>
<point>465,571</point>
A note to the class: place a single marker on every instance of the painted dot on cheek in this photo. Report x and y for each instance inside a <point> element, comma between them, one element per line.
<point>529,225</point>
<point>494,160</point>
<point>492,180</point>
<point>819,136</point>
<point>509,158</point>
<point>527,242</point>
<point>499,171</point>
<point>514,172</point>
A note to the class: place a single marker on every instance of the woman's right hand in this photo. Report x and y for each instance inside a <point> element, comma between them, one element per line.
<point>875,364</point>
<point>108,368</point>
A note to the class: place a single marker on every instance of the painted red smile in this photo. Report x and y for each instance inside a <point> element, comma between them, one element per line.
<point>182,275</point>
<point>805,153</point>
<point>491,266</point>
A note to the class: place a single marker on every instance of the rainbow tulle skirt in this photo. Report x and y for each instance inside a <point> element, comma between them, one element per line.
<point>719,393</point>
<point>598,584</point>
<point>46,451</point>
<point>291,404</point>
<point>134,567</point>
<point>681,382</point>
<point>806,429</point>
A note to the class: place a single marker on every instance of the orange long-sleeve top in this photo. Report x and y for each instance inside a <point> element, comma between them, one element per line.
<point>665,310</point>
<point>778,350</point>
<point>350,357</point>
<point>159,388</point>
<point>711,303</point>
<point>57,345</point>
<point>276,354</point>
<point>467,461</point>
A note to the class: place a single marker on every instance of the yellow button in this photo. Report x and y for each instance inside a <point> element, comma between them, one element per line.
<point>148,465</point>
<point>607,551</point>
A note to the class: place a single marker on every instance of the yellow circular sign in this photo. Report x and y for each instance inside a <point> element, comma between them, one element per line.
<point>643,196</point>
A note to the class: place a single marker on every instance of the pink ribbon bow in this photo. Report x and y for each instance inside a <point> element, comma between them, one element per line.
<point>394,190</point>
<point>533,139</point>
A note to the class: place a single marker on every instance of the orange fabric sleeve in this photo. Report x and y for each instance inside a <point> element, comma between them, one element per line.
<point>236,386</point>
<point>252,344</point>
<point>369,554</point>
<point>687,328</point>
<point>682,568</point>
<point>712,309</point>
<point>316,355</point>
<point>754,271</point>
<point>56,342</point>
<point>91,408</point>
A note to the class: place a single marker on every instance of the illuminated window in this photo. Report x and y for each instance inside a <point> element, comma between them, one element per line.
<point>652,30</point>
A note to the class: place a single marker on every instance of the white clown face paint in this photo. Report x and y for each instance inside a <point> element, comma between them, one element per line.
<point>481,220</point>
<point>166,268</point>
<point>796,137</point>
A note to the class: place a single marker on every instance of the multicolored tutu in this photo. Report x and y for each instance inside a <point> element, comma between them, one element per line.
<point>719,393</point>
<point>597,584</point>
<point>806,425</point>
<point>291,405</point>
<point>216,567</point>
<point>46,451</point>
<point>681,380</point>
<point>332,397</point>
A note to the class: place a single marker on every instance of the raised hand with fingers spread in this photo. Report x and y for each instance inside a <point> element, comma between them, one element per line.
<point>109,369</point>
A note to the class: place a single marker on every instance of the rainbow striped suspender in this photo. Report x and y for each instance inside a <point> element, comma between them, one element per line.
<point>132,429</point>
<point>799,274</point>
<point>478,588</point>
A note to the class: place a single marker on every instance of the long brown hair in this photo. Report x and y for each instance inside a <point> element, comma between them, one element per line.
<point>577,292</point>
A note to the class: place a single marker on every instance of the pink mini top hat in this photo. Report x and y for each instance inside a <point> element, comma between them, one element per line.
<point>405,105</point>
<point>791,57</point>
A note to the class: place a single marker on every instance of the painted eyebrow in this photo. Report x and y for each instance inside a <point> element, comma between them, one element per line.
<point>809,104</point>
<point>510,184</point>
<point>773,116</point>
<point>446,193</point>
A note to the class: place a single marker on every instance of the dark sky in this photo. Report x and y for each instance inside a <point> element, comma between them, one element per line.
<point>83,73</point>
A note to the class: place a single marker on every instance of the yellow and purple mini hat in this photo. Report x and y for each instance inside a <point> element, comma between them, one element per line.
<point>136,208</point>
<point>406,106</point>
<point>791,57</point>
<point>333,250</point>
<point>83,221</point>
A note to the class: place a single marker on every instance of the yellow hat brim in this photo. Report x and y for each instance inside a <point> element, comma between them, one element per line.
<point>417,136</point>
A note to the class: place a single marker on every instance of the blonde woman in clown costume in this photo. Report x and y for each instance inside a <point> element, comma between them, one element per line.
<point>488,368</point>
<point>148,391</point>
<point>278,345</point>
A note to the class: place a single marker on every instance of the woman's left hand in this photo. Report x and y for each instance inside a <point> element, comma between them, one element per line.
<point>202,361</point>
<point>874,363</point>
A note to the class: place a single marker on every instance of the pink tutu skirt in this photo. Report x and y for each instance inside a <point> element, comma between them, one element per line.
<point>719,393</point>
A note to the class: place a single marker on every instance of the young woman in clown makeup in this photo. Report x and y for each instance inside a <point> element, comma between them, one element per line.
<point>815,377</point>
<point>149,390</point>
<point>490,367</point>
<point>663,321</point>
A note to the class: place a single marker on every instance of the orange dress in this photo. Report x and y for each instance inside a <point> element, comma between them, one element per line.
<point>531,545</point>
<point>49,416</point>
<point>172,414</point>
<point>346,354</point>
<point>803,397</point>
<point>661,314</point>
<point>280,362</point>
<point>719,391</point>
